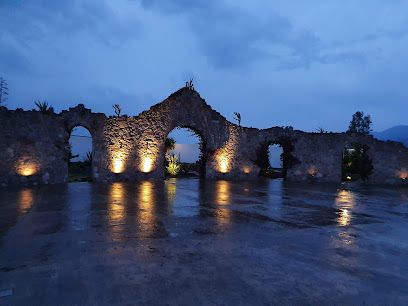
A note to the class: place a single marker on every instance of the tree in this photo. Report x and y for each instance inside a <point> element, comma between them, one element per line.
<point>3,91</point>
<point>357,161</point>
<point>238,118</point>
<point>360,123</point>
<point>170,144</point>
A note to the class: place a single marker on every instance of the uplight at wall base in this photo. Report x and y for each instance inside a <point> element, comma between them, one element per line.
<point>312,171</point>
<point>118,166</point>
<point>147,164</point>
<point>27,167</point>
<point>223,166</point>
<point>402,173</point>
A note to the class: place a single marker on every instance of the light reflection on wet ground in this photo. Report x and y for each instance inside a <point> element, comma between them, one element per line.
<point>216,241</point>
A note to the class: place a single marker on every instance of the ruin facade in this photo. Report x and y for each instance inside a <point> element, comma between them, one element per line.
<point>34,147</point>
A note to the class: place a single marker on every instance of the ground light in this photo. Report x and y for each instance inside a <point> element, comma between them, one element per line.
<point>147,164</point>
<point>27,167</point>
<point>118,165</point>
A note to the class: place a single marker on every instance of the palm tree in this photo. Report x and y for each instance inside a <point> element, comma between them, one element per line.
<point>170,144</point>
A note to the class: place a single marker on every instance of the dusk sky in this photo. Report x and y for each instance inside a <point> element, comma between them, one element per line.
<point>300,63</point>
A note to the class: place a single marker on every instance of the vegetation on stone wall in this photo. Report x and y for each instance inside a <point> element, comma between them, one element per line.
<point>237,118</point>
<point>190,84</point>
<point>356,163</point>
<point>321,130</point>
<point>44,107</point>
<point>117,109</point>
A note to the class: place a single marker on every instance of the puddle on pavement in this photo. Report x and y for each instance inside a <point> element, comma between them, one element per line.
<point>159,209</point>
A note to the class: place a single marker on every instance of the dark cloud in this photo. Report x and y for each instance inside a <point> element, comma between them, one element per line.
<point>12,60</point>
<point>232,38</point>
<point>299,56</point>
<point>47,20</point>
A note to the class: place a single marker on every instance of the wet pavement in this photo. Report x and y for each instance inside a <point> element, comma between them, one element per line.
<point>186,241</point>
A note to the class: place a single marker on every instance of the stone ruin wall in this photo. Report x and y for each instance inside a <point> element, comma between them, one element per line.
<point>34,146</point>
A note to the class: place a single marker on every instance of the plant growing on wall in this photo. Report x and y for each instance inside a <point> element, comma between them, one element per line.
<point>238,118</point>
<point>43,107</point>
<point>173,167</point>
<point>190,84</point>
<point>3,91</point>
<point>117,109</point>
<point>321,130</point>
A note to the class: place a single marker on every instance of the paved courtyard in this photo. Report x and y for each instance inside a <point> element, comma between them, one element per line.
<point>192,242</point>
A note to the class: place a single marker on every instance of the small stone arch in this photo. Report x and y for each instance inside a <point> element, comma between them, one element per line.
<point>288,158</point>
<point>80,116</point>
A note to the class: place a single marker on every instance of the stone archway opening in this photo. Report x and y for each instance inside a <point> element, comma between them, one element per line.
<point>272,160</point>
<point>356,162</point>
<point>80,155</point>
<point>184,155</point>
<point>275,168</point>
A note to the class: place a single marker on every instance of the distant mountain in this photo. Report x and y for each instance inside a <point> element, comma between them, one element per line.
<point>396,133</point>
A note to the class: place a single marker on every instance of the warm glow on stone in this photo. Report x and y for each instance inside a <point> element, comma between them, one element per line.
<point>118,165</point>
<point>402,174</point>
<point>223,165</point>
<point>247,170</point>
<point>147,164</point>
<point>312,171</point>
<point>28,170</point>
<point>27,167</point>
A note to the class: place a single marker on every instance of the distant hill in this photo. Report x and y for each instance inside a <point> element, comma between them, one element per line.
<point>396,133</point>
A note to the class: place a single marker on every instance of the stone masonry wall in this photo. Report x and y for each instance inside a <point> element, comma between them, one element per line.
<point>34,146</point>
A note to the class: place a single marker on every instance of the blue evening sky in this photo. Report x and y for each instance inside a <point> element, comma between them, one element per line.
<point>300,63</point>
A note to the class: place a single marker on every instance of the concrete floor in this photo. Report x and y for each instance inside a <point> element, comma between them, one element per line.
<point>191,242</point>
